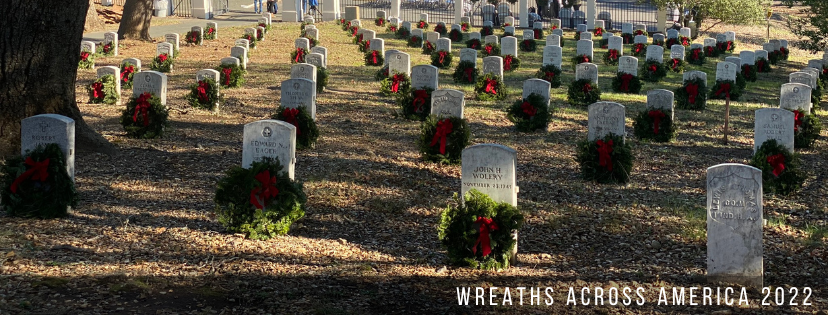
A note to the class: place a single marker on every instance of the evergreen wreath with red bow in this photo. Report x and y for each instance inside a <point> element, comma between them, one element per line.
<point>529,114</point>
<point>626,83</point>
<point>106,49</point>
<point>807,128</point>
<point>415,41</point>
<point>422,24</point>
<point>402,33</point>
<point>528,45</point>
<point>478,231</point>
<point>260,201</point>
<point>455,36</point>
<point>162,63</point>
<point>579,59</point>
<point>726,47</point>
<point>474,43</point>
<point>374,58</point>
<point>145,117</point>
<point>606,160</point>
<point>785,53</point>
<point>127,72</point>
<point>550,73</point>
<point>306,130</point>
<point>655,124</point>
<point>652,71</point>
<point>396,83</point>
<point>675,64</point>
<point>598,32</point>
<point>312,42</point>
<point>415,105</point>
<point>103,90</point>
<point>763,65</point>
<point>486,31</point>
<point>231,75</point>
<point>465,26</point>
<point>639,32</point>
<point>724,88</point>
<point>639,50</point>
<point>749,72</point>
<point>774,57</point>
<point>658,42</point>
<point>695,56</point>
<point>711,51</point>
<point>428,48</point>
<point>577,36</point>
<point>465,73</point>
<point>204,94</point>
<point>692,94</point>
<point>537,33</point>
<point>381,74</point>
<point>321,79</point>
<point>209,33</point>
<point>392,28</point>
<point>267,27</point>
<point>441,28</point>
<point>37,185</point>
<point>353,31</point>
<point>603,43</point>
<point>782,172</point>
<point>583,92</point>
<point>87,60</point>
<point>442,139</point>
<point>490,49</point>
<point>379,22</point>
<point>363,46</point>
<point>250,39</point>
<point>628,38</point>
<point>610,57</point>
<point>193,37</point>
<point>489,87</point>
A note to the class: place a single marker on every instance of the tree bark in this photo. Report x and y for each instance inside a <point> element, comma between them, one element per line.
<point>135,23</point>
<point>38,68</point>
<point>93,23</point>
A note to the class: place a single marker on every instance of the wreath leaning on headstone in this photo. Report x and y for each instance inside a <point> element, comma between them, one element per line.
<point>711,51</point>
<point>346,26</point>
<point>626,83</point>
<point>209,33</point>
<point>422,24</point>
<point>374,58</point>
<point>784,53</point>
<point>306,131</point>
<point>193,37</point>
<point>806,129</point>
<point>762,65</point>
<point>695,56</point>
<point>465,73</point>
<point>749,72</point>
<point>550,73</point>
<point>489,87</point>
<point>267,27</point>
<point>671,41</point>
<point>474,43</point>
<point>145,117</point>
<point>685,41</point>
<point>428,48</point>
<point>692,94</point>
<point>87,60</point>
<point>465,26</point>
<point>204,94</point>
<point>312,42</point>
<point>381,74</point>
<point>486,31</point>
<point>603,43</point>
<point>321,79</point>
<point>127,72</point>
<point>611,57</point>
<point>415,41</point>
<point>395,84</point>
<point>529,114</point>
<point>442,140</point>
<point>655,124</point>
<point>726,47</point>
<point>577,35</point>
<point>741,83</point>
<point>583,92</point>
<point>441,59</point>
<point>441,28</point>
<point>231,75</point>
<point>537,33</point>
<point>606,160</point>
<point>477,232</point>
<point>490,49</point>
<point>392,29</point>
<point>781,170</point>
<point>579,59</point>
<point>298,55</point>
<point>106,49</point>
<point>250,39</point>
<point>510,63</point>
<point>658,42</point>
<point>639,32</point>
<point>38,185</point>
<point>103,90</point>
<point>628,38</point>
<point>379,22</point>
<point>816,94</point>
<point>261,201</point>
<point>415,105</point>
<point>774,57</point>
<point>352,31</point>
<point>162,63</point>
<point>528,45</point>
<point>652,70</point>
<point>725,88</point>
<point>402,33</point>
<point>455,36</point>
<point>639,50</point>
<point>363,46</point>
<point>675,64</point>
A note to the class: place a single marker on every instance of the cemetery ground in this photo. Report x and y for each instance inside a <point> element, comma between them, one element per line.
<point>145,238</point>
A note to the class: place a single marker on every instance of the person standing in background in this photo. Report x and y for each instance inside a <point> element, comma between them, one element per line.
<point>257,6</point>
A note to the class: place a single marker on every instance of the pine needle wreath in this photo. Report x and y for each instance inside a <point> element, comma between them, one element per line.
<point>676,65</point>
<point>352,31</point>
<point>397,83</point>
<point>37,185</point>
<point>529,114</point>
<point>451,135</point>
<point>381,74</point>
<point>749,72</point>
<point>346,25</point>
<point>127,72</point>
<point>460,230</point>
<point>639,50</point>
<point>162,63</point>
<point>204,94</point>
<point>583,92</point>
<point>415,41</point>
<point>306,130</point>
<point>490,49</point>
<point>103,90</point>
<point>441,59</point>
<point>579,59</point>
<point>550,73</point>
<point>193,37</point>
<point>422,24</point>
<point>762,65</point>
<point>379,22</point>
<point>785,53</point>
<point>486,31</point>
<point>455,36</point>
<point>441,28</point>
<point>250,39</point>
<point>695,56</point>
<point>106,50</point>
<point>598,32</point>
<point>231,75</point>
<point>626,83</point>
<point>726,47</point>
<point>402,33</point>
<point>474,43</point>
<point>806,129</point>
<point>306,23</point>
<point>816,94</point>
<point>321,79</point>
<point>671,41</point>
<point>374,58</point>
<point>87,60</point>
<point>358,39</point>
<point>145,117</point>
<point>415,105</point>
<point>723,88</point>
<point>628,38</point>
<point>685,41</point>
<point>298,55</point>
<point>652,71</point>
<point>646,128</point>
<point>741,83</point>
<point>465,26</point>
<point>611,57</point>
<point>364,46</point>
<point>267,27</point>
<point>711,51</point>
<point>489,87</point>
<point>781,170</point>
<point>312,42</point>
<point>465,73</point>
<point>340,22</point>
<point>616,165</point>
<point>603,43</point>
<point>510,63</point>
<point>209,33</point>
<point>824,74</point>
<point>658,42</point>
<point>692,95</point>
<point>392,29</point>
<point>773,57</point>
<point>640,32</point>
<point>528,45</point>
<point>577,36</point>
<point>266,182</point>
<point>428,48</point>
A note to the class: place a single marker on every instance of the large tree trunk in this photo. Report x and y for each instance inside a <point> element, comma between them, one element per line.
<point>135,23</point>
<point>38,68</point>
<point>93,23</point>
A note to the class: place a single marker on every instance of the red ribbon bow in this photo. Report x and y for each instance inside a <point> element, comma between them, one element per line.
<point>696,54</point>
<point>653,69</point>
<point>395,82</point>
<point>420,97</point>
<point>202,91</point>
<point>587,88</point>
<point>639,47</point>
<point>210,30</point>
<point>126,72</point>
<point>291,116</point>
<point>97,90</point>
<point>613,54</point>
<point>604,149</point>
<point>107,48</point>
<point>676,62</point>
<point>710,50</point>
<point>488,49</point>
<point>475,44</point>
<point>528,109</point>
<point>142,106</point>
<point>491,85</point>
<point>444,128</point>
<point>486,227</point>
<point>798,119</point>
<point>777,161</point>
<point>162,57</point>
<point>354,29</point>
<point>684,41</point>
<point>549,75</point>
<point>421,24</point>
<point>657,116</point>
<point>300,54</point>
<point>724,89</point>
<point>260,195</point>
<point>692,91</point>
<point>37,171</point>
<point>442,56</point>
<point>84,55</point>
<point>745,70</point>
<point>760,65</point>
<point>374,56</point>
<point>729,45</point>
<point>507,62</point>
<point>625,81</point>
<point>469,76</point>
<point>599,31</point>
<point>554,27</point>
<point>537,33</point>
<point>584,58</point>
<point>227,72</point>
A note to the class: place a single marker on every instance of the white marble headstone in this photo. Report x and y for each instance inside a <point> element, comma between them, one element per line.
<point>605,118</point>
<point>655,52</point>
<point>44,129</point>
<point>493,65</point>
<point>537,86</point>
<point>447,103</point>
<point>425,76</point>
<point>508,46</point>
<point>552,55</point>
<point>300,93</point>
<point>490,169</point>
<point>399,62</point>
<point>795,96</point>
<point>587,71</point>
<point>726,71</point>
<point>150,81</point>
<point>628,64</point>
<point>270,138</point>
<point>773,123</point>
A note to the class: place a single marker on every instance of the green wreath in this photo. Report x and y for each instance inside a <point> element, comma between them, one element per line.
<point>685,41</point>
<point>455,36</point>
<point>321,79</point>
<point>598,32</point>
<point>722,88</point>
<point>672,41</point>
<point>415,105</point>
<point>231,75</point>
<point>461,224</point>
<point>676,65</point>
<point>306,131</point>
<point>652,71</point>
<point>267,27</point>
<point>37,185</point>
<point>441,28</point>
<point>250,39</point>
<point>579,59</point>
<point>306,23</point>
<point>762,65</point>
<point>358,39</point>
<point>741,82</point>
<point>465,26</point>
<point>529,114</point>
<point>692,94</point>
<point>639,50</point>
<point>392,29</point>
<point>726,47</point>
<point>550,73</point>
<point>374,58</point>
<point>398,83</point>
<point>510,63</point>
<point>632,86</point>
<point>264,182</point>
<point>639,32</point>
<point>823,76</point>
<point>442,140</point>
<point>603,43</point>
<point>436,56</point>
<point>781,170</point>
<point>646,128</point>
<point>379,22</point>
<point>415,41</point>
<point>402,33</point>
<point>711,51</point>
<point>816,94</point>
<point>345,25</point>
<point>806,129</point>
<point>381,74</point>
<point>364,46</point>
<point>162,63</point>
<point>490,49</point>
<point>428,48</point>
<point>105,50</point>
<point>628,38</point>
<point>489,87</point>
<point>204,94</point>
<point>340,22</point>
<point>658,42</point>
<point>749,72</point>
<point>312,42</point>
<point>577,36</point>
<point>610,57</point>
<point>583,92</point>
<point>193,37</point>
<point>422,24</point>
<point>474,43</point>
<point>127,72</point>
<point>616,170</point>
<point>773,57</point>
<point>486,31</point>
<point>465,73</point>
<point>352,32</point>
<point>87,60</point>
<point>785,53</point>
<point>298,55</point>
<point>209,33</point>
<point>145,117</point>
<point>103,90</point>
<point>528,45</point>
<point>695,56</point>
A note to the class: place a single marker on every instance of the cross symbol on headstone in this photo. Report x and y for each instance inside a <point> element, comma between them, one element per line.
<point>43,126</point>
